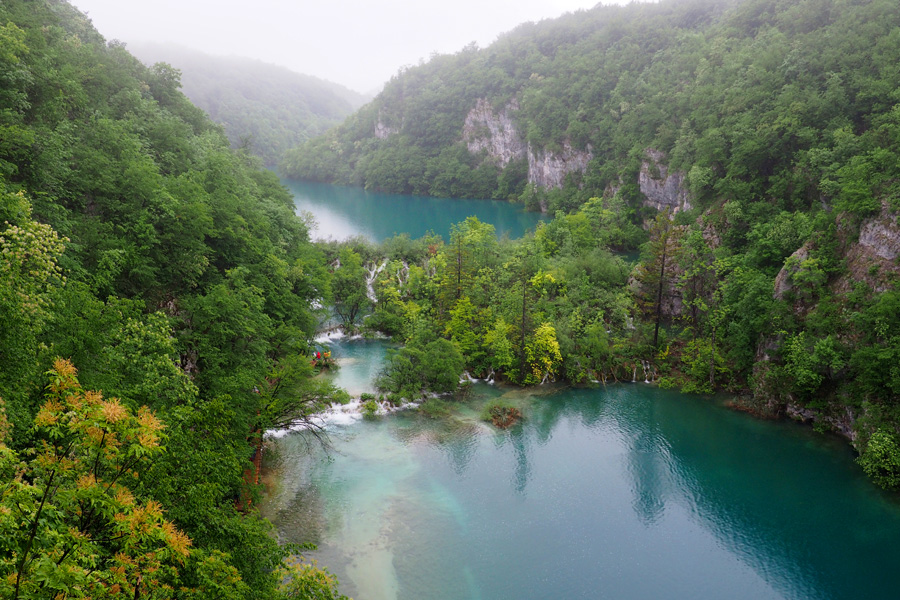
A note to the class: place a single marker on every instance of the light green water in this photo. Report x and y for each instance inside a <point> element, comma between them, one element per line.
<point>342,212</point>
<point>620,492</point>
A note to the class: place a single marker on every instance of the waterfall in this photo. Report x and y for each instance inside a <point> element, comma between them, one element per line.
<point>467,377</point>
<point>371,274</point>
<point>403,273</point>
<point>634,374</point>
<point>646,366</point>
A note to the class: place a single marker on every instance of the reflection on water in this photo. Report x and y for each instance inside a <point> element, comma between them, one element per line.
<point>619,492</point>
<point>342,212</point>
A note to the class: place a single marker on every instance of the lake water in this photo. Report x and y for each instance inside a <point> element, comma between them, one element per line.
<point>342,212</point>
<point>623,492</point>
<point>620,492</point>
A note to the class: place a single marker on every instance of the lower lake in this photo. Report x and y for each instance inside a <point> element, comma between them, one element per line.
<point>622,492</point>
<point>342,212</point>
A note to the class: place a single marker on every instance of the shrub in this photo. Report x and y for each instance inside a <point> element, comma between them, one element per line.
<point>501,414</point>
<point>881,460</point>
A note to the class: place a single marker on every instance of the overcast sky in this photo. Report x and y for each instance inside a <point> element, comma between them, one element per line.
<point>357,43</point>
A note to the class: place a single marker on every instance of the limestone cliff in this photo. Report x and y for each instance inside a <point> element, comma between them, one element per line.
<point>495,133</point>
<point>873,258</point>
<point>382,129</point>
<point>662,188</point>
<point>549,169</point>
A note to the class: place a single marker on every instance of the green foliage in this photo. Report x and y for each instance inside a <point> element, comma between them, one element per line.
<point>71,525</point>
<point>175,272</point>
<point>264,108</point>
<point>501,413</point>
<point>880,459</point>
<point>414,369</point>
<point>435,408</point>
<point>348,286</point>
<point>696,357</point>
<point>750,108</point>
<point>306,581</point>
<point>369,408</point>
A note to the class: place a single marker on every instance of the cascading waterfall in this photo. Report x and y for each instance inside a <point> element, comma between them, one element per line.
<point>647,370</point>
<point>371,273</point>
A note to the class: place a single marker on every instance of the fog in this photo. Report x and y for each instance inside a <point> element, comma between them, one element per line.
<point>357,43</point>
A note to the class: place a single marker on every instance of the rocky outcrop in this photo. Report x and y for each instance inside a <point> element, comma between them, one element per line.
<point>840,418</point>
<point>549,169</point>
<point>783,281</point>
<point>383,131</point>
<point>873,259</point>
<point>662,189</point>
<point>494,133</point>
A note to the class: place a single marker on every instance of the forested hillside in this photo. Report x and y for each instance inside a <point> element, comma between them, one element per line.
<point>155,294</point>
<point>755,142</point>
<point>750,99</point>
<point>263,107</point>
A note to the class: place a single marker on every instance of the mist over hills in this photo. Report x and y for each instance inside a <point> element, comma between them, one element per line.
<point>265,107</point>
<point>747,99</point>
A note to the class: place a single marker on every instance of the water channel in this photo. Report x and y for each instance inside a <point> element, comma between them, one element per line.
<point>623,492</point>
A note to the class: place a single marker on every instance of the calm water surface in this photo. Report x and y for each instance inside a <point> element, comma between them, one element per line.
<point>620,492</point>
<point>343,212</point>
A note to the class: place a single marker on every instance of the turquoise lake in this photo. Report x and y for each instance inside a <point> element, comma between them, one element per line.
<point>342,212</point>
<point>619,492</point>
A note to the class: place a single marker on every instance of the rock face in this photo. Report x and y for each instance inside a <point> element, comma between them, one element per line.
<point>873,259</point>
<point>549,170</point>
<point>485,130</point>
<point>783,282</point>
<point>662,188</point>
<point>881,236</point>
<point>383,131</point>
<point>495,133</point>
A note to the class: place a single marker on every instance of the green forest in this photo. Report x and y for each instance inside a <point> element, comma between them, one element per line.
<point>264,108</point>
<point>155,293</point>
<point>772,276</point>
<point>159,296</point>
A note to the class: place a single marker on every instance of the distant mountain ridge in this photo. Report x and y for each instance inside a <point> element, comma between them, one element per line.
<point>263,106</point>
<point>738,98</point>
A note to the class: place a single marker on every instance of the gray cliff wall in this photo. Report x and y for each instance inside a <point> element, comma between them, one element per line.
<point>662,188</point>
<point>496,133</point>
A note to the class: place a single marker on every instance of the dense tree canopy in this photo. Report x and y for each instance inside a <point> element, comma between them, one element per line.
<point>173,272</point>
<point>262,107</point>
<point>781,119</point>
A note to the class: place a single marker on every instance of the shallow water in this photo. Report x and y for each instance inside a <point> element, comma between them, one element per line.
<point>623,492</point>
<point>343,212</point>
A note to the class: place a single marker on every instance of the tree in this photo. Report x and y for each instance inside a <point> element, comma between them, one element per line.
<point>348,287</point>
<point>880,459</point>
<point>29,279</point>
<point>543,355</point>
<point>657,273</point>
<point>70,524</point>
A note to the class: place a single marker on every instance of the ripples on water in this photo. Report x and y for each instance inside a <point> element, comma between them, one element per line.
<point>619,492</point>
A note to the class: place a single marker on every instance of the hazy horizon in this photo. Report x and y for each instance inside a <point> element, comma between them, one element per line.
<point>357,44</point>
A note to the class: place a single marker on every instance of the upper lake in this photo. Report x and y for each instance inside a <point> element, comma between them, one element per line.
<point>343,212</point>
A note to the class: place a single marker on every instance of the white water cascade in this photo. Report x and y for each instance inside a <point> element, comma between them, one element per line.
<point>372,272</point>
